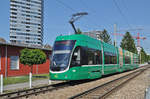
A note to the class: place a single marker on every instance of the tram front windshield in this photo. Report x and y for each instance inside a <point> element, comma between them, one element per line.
<point>61,55</point>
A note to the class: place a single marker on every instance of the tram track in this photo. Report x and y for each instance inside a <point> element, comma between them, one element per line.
<point>33,91</point>
<point>104,90</point>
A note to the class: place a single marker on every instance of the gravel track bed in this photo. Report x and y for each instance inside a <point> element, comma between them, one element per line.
<point>135,89</point>
<point>65,93</point>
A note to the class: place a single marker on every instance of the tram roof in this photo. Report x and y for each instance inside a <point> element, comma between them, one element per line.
<point>75,37</point>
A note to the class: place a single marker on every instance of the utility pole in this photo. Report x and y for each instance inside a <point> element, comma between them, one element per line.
<point>115,37</point>
<point>76,17</point>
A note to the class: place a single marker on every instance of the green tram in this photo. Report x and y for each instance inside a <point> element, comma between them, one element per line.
<point>77,57</point>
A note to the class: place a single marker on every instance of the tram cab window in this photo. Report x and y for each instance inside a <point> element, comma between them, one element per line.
<point>75,61</point>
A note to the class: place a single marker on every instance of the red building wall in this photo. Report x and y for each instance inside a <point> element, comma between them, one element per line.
<point>23,70</point>
<point>2,53</point>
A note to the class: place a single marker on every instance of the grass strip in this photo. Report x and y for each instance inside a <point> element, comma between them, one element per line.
<point>22,79</point>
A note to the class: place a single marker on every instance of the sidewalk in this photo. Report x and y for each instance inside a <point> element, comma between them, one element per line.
<point>35,83</point>
<point>26,84</point>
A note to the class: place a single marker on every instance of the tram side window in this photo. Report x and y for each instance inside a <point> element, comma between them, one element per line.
<point>91,56</point>
<point>106,58</point>
<point>76,57</point>
<point>136,61</point>
<point>98,56</point>
<point>84,55</point>
<point>114,59</point>
<point>127,60</point>
<point>110,58</point>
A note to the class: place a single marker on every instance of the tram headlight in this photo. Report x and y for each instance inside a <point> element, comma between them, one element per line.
<point>66,76</point>
<point>56,76</point>
<point>73,70</point>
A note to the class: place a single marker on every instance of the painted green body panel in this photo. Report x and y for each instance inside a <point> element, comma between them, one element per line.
<point>71,74</point>
<point>77,73</point>
<point>110,69</point>
<point>91,72</point>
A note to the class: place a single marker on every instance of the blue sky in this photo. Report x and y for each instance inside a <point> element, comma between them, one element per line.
<point>102,14</point>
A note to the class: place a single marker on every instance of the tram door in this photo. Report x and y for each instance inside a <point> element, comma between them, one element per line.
<point>120,57</point>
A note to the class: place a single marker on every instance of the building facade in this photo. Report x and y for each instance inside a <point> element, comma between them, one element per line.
<point>93,34</point>
<point>26,21</point>
<point>10,65</point>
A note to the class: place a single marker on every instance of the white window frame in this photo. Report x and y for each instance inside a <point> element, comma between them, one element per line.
<point>14,67</point>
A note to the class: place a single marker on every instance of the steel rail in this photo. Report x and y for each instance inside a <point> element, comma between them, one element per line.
<point>107,90</point>
<point>33,91</point>
<point>119,86</point>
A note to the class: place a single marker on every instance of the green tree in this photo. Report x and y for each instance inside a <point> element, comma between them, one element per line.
<point>79,31</point>
<point>104,36</point>
<point>144,56</point>
<point>127,43</point>
<point>148,56</point>
<point>32,56</point>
